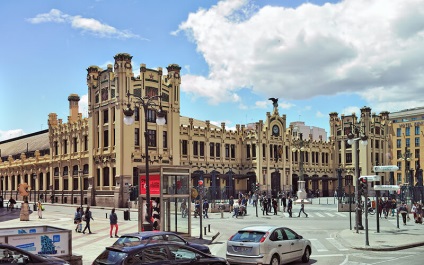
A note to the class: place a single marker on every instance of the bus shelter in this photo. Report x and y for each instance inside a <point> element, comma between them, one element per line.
<point>169,189</point>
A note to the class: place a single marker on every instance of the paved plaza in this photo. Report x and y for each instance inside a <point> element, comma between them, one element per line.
<point>328,230</point>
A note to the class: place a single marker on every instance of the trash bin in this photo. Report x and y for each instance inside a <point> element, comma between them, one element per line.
<point>34,207</point>
<point>126,215</point>
<point>1,202</point>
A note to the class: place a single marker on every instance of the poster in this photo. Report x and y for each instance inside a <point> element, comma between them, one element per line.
<point>154,184</point>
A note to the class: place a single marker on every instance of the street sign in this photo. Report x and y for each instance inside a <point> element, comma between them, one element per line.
<point>371,178</point>
<point>386,187</point>
<point>385,168</point>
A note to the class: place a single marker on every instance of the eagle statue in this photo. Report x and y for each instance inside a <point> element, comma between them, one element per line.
<point>274,102</point>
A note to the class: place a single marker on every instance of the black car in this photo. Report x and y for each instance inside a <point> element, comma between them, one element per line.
<point>10,254</point>
<point>159,236</point>
<point>155,253</point>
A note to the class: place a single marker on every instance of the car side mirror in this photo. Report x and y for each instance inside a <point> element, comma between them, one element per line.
<point>299,237</point>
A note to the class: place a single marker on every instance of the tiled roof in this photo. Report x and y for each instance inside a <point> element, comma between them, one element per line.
<point>26,143</point>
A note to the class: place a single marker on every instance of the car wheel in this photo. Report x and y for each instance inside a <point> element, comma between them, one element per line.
<point>275,260</point>
<point>306,255</point>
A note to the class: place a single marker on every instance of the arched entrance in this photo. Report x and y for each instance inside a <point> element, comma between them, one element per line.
<point>275,183</point>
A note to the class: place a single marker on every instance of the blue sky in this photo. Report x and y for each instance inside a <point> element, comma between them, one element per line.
<point>316,56</point>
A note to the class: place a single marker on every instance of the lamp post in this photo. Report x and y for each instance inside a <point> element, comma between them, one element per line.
<point>408,178</point>
<point>299,146</point>
<point>355,137</point>
<point>2,179</point>
<point>146,102</point>
<point>80,173</point>
<point>339,184</point>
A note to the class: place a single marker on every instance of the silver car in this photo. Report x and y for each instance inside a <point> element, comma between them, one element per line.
<point>267,245</point>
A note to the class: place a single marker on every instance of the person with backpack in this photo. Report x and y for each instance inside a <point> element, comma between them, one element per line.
<point>87,217</point>
<point>403,210</point>
<point>113,218</point>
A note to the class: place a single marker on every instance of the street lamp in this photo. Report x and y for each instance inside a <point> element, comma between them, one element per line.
<point>355,137</point>
<point>80,172</point>
<point>299,146</point>
<point>34,176</point>
<point>339,184</point>
<point>2,179</point>
<point>146,102</point>
<point>407,158</point>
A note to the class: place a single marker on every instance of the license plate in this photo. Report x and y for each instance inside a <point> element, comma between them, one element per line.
<point>241,249</point>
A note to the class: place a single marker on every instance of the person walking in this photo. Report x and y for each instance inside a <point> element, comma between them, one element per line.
<point>290,206</point>
<point>88,217</point>
<point>236,209</point>
<point>403,209</point>
<point>302,209</point>
<point>113,218</point>
<point>78,219</point>
<point>205,208</point>
<point>40,210</point>
<point>231,203</point>
<point>274,206</point>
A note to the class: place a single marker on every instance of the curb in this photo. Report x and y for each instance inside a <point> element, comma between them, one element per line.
<point>401,247</point>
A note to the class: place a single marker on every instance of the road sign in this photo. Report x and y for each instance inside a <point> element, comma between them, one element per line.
<point>371,178</point>
<point>386,187</point>
<point>385,168</point>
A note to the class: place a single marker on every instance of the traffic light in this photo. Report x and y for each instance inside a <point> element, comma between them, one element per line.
<point>364,186</point>
<point>257,186</point>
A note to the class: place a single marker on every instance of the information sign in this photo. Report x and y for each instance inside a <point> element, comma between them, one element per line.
<point>385,168</point>
<point>371,178</point>
<point>386,187</point>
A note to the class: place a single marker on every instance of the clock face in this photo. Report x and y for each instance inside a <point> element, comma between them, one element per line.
<point>275,130</point>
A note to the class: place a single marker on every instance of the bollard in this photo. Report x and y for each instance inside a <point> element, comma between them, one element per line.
<point>327,200</point>
<point>209,228</point>
<point>204,230</point>
<point>319,200</point>
<point>106,215</point>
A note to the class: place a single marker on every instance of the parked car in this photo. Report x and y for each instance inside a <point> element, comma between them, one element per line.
<point>267,245</point>
<point>159,236</point>
<point>10,254</point>
<point>155,253</point>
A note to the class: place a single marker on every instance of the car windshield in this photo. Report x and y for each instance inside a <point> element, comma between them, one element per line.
<point>248,236</point>
<point>111,257</point>
<point>126,239</point>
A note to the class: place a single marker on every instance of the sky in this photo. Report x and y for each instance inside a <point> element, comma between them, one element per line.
<point>315,56</point>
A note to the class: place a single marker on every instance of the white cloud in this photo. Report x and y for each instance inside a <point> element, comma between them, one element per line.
<point>350,110</point>
<point>373,48</point>
<point>85,25</point>
<point>4,135</point>
<point>83,105</point>
<point>286,105</point>
<point>319,114</point>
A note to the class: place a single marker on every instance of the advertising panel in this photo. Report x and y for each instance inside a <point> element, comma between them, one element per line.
<point>52,244</point>
<point>154,184</point>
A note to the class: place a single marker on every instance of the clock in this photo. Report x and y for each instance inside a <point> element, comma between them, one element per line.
<point>275,130</point>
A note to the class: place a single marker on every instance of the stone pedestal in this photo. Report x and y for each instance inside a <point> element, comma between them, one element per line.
<point>301,193</point>
<point>24,216</point>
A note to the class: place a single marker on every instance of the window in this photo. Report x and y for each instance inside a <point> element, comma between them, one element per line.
<point>202,149</point>
<point>65,146</point>
<point>398,154</point>
<point>184,147</point>
<point>165,139</point>
<point>195,148</point>
<point>180,253</point>
<point>151,115</point>
<point>56,171</point>
<point>105,138</point>
<point>75,144</point>
<point>65,171</point>
<point>211,149</point>
<point>248,151</point>
<point>349,158</point>
<point>264,151</point>
<point>227,151</point>
<point>398,132</point>
<point>85,142</point>
<point>253,150</point>
<point>137,136</point>
<point>377,144</point>
<point>55,148</point>
<point>105,116</point>
<point>408,131</point>
<point>417,141</point>
<point>398,143</point>
<point>290,234</point>
<point>408,142</point>
<point>151,138</point>
<point>417,130</point>
<point>154,255</point>
<point>417,153</point>
<point>233,151</point>
<point>218,150</point>
<point>136,114</point>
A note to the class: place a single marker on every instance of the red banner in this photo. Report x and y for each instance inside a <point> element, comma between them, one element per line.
<point>154,184</point>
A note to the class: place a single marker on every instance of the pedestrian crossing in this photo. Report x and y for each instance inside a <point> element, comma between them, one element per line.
<point>327,244</point>
<point>317,215</point>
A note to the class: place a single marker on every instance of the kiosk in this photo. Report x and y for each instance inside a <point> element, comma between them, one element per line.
<point>169,188</point>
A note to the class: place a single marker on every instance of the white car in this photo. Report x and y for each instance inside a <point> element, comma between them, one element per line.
<point>267,245</point>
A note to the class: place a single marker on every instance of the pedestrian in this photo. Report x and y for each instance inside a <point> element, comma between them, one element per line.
<point>290,206</point>
<point>78,219</point>
<point>274,205</point>
<point>113,218</point>
<point>265,207</point>
<point>284,203</point>
<point>236,209</point>
<point>403,209</point>
<point>269,204</point>
<point>12,203</point>
<point>205,208</point>
<point>87,218</point>
<point>40,210</point>
<point>302,209</point>
<point>231,203</point>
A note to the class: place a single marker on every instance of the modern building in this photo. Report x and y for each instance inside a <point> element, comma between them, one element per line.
<point>93,160</point>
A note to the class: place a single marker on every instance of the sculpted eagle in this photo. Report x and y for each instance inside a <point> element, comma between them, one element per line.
<point>274,102</point>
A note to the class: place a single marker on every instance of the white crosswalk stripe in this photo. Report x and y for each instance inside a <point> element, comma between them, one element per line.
<point>341,214</point>
<point>320,215</point>
<point>318,246</point>
<point>324,245</point>
<point>329,214</point>
<point>336,244</point>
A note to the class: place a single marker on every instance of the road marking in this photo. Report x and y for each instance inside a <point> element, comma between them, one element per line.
<point>318,245</point>
<point>341,214</point>
<point>336,244</point>
<point>329,214</point>
<point>328,255</point>
<point>320,215</point>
